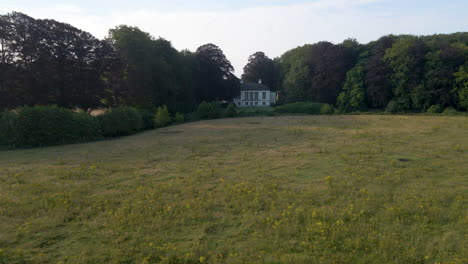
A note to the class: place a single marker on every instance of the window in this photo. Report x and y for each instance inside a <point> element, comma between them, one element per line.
<point>264,103</point>
<point>251,103</point>
<point>264,95</point>
<point>246,103</point>
<point>256,103</point>
<point>256,95</point>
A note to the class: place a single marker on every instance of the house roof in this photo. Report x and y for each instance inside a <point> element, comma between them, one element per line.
<point>253,86</point>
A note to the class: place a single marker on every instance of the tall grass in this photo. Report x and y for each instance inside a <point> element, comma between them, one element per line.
<point>296,189</point>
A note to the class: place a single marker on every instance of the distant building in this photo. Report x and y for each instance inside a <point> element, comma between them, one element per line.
<point>255,95</point>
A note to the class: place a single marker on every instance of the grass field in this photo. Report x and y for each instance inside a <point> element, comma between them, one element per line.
<point>302,189</point>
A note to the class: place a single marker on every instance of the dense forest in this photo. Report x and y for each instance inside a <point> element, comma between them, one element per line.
<point>46,62</point>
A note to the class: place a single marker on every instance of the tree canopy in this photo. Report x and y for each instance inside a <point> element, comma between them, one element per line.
<point>43,61</point>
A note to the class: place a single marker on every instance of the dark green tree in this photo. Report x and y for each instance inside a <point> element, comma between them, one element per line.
<point>407,59</point>
<point>261,67</point>
<point>377,79</point>
<point>353,96</point>
<point>216,80</point>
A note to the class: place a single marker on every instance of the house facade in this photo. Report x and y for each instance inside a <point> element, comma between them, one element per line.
<point>255,95</point>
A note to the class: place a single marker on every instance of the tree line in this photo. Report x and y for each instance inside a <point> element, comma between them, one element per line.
<point>45,62</point>
<point>393,73</point>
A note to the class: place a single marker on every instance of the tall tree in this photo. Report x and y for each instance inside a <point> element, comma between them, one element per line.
<point>261,67</point>
<point>353,96</point>
<point>48,62</point>
<point>295,75</point>
<point>329,64</point>
<point>407,59</point>
<point>135,51</point>
<point>377,71</point>
<point>215,72</point>
<point>460,89</point>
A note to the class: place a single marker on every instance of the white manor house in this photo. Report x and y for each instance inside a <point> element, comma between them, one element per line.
<point>255,95</point>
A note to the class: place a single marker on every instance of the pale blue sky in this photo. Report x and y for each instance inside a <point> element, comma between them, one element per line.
<point>242,27</point>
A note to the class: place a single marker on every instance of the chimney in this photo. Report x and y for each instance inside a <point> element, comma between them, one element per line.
<point>259,81</point>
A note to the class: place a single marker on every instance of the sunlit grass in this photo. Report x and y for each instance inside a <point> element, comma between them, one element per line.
<point>309,189</point>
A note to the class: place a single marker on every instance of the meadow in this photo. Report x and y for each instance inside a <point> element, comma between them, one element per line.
<point>282,189</point>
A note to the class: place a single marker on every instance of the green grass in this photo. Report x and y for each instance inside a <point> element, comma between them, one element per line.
<point>301,189</point>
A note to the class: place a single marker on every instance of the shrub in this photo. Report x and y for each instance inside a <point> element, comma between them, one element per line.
<point>300,108</point>
<point>179,118</point>
<point>450,111</point>
<point>192,117</point>
<point>162,117</point>
<point>86,128</point>
<point>231,111</point>
<point>256,111</point>
<point>121,121</point>
<point>148,119</point>
<point>435,109</point>
<point>8,121</point>
<point>327,109</point>
<point>393,107</point>
<point>47,125</point>
<point>211,110</point>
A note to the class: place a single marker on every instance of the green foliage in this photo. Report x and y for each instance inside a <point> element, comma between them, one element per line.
<point>162,117</point>
<point>179,118</point>
<point>435,109</point>
<point>148,119</point>
<point>300,108</point>
<point>261,67</point>
<point>211,110</point>
<point>231,111</point>
<point>121,121</point>
<point>353,96</point>
<point>327,109</point>
<point>256,111</point>
<point>215,74</point>
<point>460,88</point>
<point>8,131</point>
<point>86,127</point>
<point>407,59</point>
<point>394,107</point>
<point>450,111</point>
<point>47,125</point>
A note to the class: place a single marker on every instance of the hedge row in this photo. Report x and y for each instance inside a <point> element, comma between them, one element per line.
<point>51,125</point>
<point>305,108</point>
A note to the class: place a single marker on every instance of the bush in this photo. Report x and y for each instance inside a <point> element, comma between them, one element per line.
<point>393,107</point>
<point>162,117</point>
<point>179,118</point>
<point>47,125</point>
<point>450,111</point>
<point>231,111</point>
<point>8,121</point>
<point>44,125</point>
<point>300,108</point>
<point>256,111</point>
<point>86,128</point>
<point>327,109</point>
<point>148,119</point>
<point>435,109</point>
<point>211,110</point>
<point>121,121</point>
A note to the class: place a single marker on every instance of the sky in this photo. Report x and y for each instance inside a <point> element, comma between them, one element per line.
<point>243,27</point>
